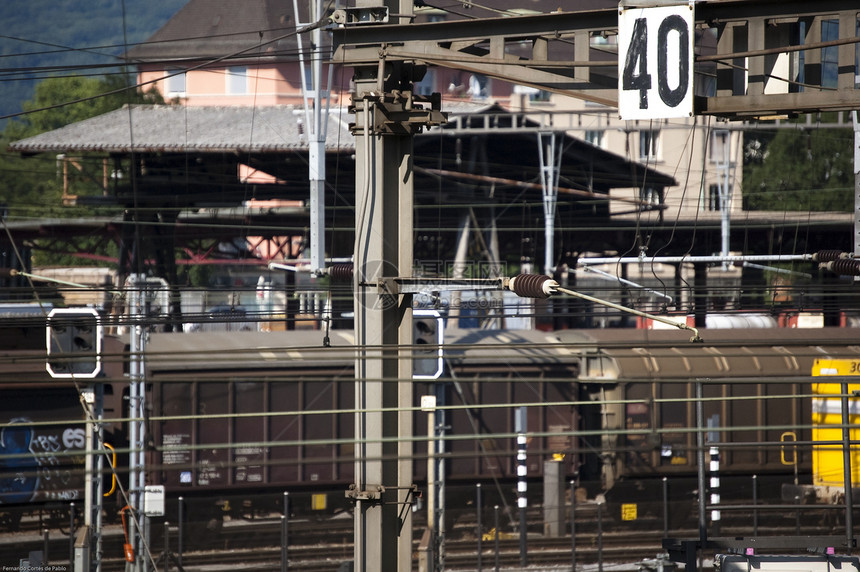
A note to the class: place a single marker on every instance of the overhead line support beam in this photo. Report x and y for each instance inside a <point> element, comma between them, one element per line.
<point>587,71</point>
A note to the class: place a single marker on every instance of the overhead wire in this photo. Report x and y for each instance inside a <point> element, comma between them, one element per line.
<point>122,60</point>
<point>207,62</point>
<point>525,225</point>
<point>688,147</point>
<point>138,250</point>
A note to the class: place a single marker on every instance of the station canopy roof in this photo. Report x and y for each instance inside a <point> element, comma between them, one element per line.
<point>180,129</point>
<point>273,140</point>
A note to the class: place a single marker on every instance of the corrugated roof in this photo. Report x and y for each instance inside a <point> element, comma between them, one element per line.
<point>168,128</point>
<point>614,355</point>
<point>725,353</point>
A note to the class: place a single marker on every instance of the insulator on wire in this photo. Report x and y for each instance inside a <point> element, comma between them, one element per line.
<point>8,272</point>
<point>340,272</point>
<point>829,255</point>
<point>532,285</point>
<point>844,266</point>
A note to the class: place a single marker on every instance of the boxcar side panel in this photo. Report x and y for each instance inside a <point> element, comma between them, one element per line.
<point>41,462</point>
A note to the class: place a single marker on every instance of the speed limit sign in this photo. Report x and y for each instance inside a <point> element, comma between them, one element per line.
<point>655,62</point>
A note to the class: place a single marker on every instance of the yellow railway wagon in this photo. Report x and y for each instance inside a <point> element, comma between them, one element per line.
<point>828,475</point>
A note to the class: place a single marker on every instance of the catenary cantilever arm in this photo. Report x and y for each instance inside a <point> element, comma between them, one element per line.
<point>541,286</point>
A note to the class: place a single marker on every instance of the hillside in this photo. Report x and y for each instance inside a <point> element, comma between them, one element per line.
<point>43,38</point>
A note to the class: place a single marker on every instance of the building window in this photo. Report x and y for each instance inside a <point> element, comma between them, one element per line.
<point>648,146</point>
<point>237,80</point>
<point>830,54</point>
<point>651,197</point>
<point>595,137</point>
<point>715,200</point>
<point>174,83</point>
<point>720,149</point>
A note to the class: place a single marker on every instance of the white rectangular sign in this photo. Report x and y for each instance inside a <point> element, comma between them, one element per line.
<point>655,62</point>
<point>153,500</point>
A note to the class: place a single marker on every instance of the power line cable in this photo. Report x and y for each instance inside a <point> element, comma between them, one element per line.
<point>192,68</point>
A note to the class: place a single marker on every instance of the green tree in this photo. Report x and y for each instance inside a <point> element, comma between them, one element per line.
<point>30,187</point>
<point>801,170</point>
<point>60,101</point>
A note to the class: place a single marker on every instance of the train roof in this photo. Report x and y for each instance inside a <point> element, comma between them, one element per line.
<point>230,351</point>
<point>756,353</point>
<point>304,348</point>
<point>611,355</point>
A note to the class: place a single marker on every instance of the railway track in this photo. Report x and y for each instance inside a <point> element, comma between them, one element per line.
<point>326,544</point>
<point>460,555</point>
<point>542,551</point>
<point>313,546</point>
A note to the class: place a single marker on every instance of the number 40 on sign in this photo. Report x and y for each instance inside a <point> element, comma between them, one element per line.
<point>655,62</point>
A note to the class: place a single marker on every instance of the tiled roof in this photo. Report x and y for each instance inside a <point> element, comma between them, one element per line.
<point>169,128</point>
<point>206,29</point>
<point>214,28</point>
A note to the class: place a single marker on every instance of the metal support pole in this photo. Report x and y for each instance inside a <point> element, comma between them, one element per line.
<point>431,479</point>
<point>846,467</point>
<point>522,484</point>
<point>715,489</point>
<point>856,123</point>
<point>755,504</point>
<point>496,539</point>
<point>714,466</point>
<point>147,535</point>
<point>136,428</point>
<point>166,546</point>
<point>700,296</point>
<point>89,471</point>
<point>180,533</point>
<point>285,533</point>
<point>553,498</point>
<point>82,550</point>
<point>549,152</point>
<point>316,162</point>
<point>88,461</point>
<point>600,536</point>
<point>383,320</point>
<point>573,525</point>
<point>71,534</point>
<point>284,565</point>
<point>386,118</point>
<point>479,527</point>
<point>723,169</point>
<point>316,121</point>
<point>439,448</point>
<point>665,507</point>
<point>98,494</point>
<point>45,557</point>
<point>700,459</point>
